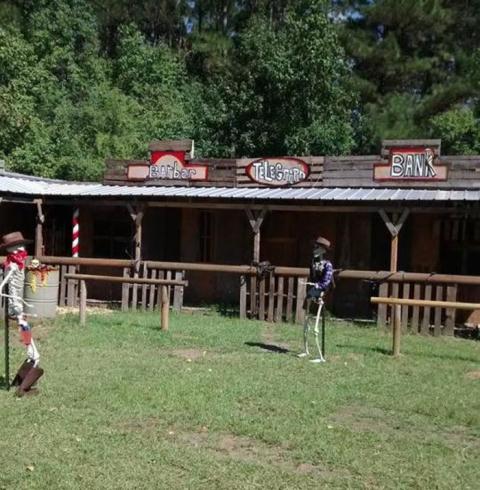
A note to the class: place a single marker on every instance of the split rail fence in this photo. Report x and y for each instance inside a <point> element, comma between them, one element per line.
<point>278,294</point>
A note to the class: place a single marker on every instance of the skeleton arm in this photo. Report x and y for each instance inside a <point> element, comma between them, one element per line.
<point>5,280</point>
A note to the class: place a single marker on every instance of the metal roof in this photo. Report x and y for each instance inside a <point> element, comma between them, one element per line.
<point>17,184</point>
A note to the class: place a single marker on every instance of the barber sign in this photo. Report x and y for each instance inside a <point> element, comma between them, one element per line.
<point>411,163</point>
<point>167,165</point>
<point>277,171</point>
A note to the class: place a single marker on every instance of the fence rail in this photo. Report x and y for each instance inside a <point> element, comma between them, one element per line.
<point>279,294</point>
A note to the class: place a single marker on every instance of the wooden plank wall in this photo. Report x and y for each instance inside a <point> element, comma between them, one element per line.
<point>221,173</point>
<point>338,171</point>
<point>357,171</point>
<point>420,320</point>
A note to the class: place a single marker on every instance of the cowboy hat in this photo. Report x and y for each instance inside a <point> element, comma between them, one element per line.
<point>13,239</point>
<point>323,242</point>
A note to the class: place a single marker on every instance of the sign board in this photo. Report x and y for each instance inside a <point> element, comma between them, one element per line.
<point>167,165</point>
<point>278,171</point>
<point>411,163</point>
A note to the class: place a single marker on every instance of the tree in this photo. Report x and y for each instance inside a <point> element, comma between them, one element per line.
<point>286,90</point>
<point>411,63</point>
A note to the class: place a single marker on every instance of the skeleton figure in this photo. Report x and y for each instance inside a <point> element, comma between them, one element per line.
<point>14,278</point>
<point>320,278</point>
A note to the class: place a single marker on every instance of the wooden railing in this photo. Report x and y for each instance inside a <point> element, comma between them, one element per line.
<point>279,294</point>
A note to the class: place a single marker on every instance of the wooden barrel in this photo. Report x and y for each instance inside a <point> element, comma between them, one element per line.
<point>41,292</point>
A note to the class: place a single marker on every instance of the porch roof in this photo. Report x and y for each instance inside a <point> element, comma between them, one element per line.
<point>24,185</point>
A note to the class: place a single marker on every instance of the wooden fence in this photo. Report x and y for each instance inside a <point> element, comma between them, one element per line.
<point>134,296</point>
<point>418,319</point>
<point>273,297</point>
<point>278,295</point>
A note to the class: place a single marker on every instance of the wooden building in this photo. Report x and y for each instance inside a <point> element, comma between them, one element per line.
<point>408,208</point>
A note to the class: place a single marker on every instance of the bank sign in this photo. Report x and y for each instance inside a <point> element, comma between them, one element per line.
<point>277,171</point>
<point>411,163</point>
<point>167,165</point>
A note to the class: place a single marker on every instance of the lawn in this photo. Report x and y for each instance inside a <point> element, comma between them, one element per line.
<point>123,405</point>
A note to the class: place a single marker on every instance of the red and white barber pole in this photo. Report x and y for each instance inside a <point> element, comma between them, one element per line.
<point>75,233</point>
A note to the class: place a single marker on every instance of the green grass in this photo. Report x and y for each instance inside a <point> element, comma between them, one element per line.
<point>123,405</point>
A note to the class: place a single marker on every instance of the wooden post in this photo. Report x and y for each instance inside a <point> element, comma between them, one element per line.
<point>397,330</point>
<point>83,303</point>
<point>125,289</point>
<point>137,217</point>
<point>39,229</point>
<point>394,226</point>
<point>164,309</point>
<point>243,297</point>
<point>255,220</point>
<point>394,253</point>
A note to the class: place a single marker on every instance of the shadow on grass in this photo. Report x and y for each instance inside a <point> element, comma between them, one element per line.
<point>227,310</point>
<point>3,383</point>
<point>366,349</point>
<point>388,352</point>
<point>270,347</point>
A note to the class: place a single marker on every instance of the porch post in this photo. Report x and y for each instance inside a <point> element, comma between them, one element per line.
<point>137,216</point>
<point>394,225</point>
<point>256,221</point>
<point>39,229</point>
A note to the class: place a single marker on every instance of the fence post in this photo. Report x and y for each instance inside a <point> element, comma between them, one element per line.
<point>178,293</point>
<point>83,303</point>
<point>164,309</point>
<point>243,297</point>
<point>397,329</point>
<point>301,293</point>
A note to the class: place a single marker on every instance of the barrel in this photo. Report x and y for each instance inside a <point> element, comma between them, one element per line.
<point>41,291</point>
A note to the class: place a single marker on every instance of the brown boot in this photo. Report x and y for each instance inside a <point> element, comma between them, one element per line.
<point>22,372</point>
<point>31,378</point>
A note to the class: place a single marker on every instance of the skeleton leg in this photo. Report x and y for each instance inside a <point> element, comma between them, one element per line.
<point>27,340</point>
<point>306,329</point>
<point>320,357</point>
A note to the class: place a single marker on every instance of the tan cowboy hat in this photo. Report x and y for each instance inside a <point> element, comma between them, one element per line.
<point>323,242</point>
<point>13,239</point>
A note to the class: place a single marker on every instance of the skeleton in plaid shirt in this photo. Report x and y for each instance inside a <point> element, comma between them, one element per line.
<point>320,278</point>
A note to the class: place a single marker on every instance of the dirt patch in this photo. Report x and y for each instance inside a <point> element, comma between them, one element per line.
<point>248,450</point>
<point>361,419</point>
<point>189,354</point>
<point>460,437</point>
<point>473,375</point>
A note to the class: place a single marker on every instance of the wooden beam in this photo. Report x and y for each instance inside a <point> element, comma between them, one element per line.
<point>137,216</point>
<point>125,280</point>
<point>322,208</point>
<point>256,220</point>
<point>39,229</point>
<point>394,226</point>
<point>423,302</point>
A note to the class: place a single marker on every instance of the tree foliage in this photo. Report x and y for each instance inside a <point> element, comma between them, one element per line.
<point>83,80</point>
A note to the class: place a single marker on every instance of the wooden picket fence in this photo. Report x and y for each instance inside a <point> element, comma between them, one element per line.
<point>134,296</point>
<point>416,319</point>
<point>273,297</point>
